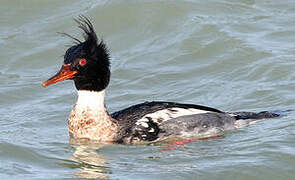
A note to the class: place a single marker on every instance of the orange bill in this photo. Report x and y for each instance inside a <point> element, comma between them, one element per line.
<point>64,73</point>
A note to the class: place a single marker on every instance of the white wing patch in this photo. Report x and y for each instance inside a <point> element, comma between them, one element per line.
<point>166,114</point>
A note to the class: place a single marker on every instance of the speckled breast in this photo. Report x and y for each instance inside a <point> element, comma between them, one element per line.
<point>91,125</point>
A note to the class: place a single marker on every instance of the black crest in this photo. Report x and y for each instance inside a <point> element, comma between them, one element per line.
<point>91,42</point>
<point>89,33</point>
<point>95,75</point>
<point>87,27</point>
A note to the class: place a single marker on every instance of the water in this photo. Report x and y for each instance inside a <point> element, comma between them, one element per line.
<point>231,54</point>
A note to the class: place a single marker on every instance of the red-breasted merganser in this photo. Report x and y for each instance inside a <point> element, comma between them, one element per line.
<point>87,63</point>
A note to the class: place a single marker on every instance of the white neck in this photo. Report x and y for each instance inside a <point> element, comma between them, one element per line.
<point>89,118</point>
<point>90,100</point>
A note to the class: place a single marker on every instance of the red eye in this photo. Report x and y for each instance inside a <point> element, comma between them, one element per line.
<point>82,62</point>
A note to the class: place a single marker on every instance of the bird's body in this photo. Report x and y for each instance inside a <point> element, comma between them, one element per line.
<point>87,63</point>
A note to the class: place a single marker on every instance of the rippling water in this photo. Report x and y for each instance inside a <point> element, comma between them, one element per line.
<point>230,54</point>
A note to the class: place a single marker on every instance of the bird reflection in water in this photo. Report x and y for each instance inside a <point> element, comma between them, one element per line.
<point>90,162</point>
<point>92,165</point>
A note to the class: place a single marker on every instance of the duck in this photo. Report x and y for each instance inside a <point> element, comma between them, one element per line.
<point>87,63</point>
